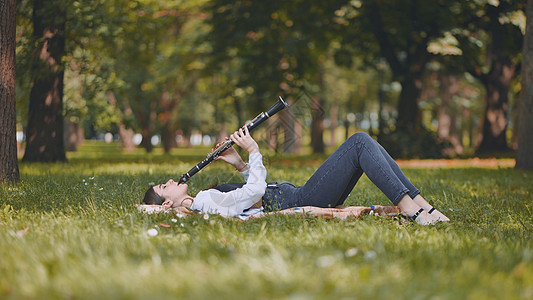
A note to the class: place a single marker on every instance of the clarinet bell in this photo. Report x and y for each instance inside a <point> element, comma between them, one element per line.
<point>281,104</point>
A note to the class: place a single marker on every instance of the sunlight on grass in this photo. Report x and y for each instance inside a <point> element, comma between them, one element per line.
<point>71,231</point>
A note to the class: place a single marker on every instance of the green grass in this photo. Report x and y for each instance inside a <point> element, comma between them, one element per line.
<point>71,231</point>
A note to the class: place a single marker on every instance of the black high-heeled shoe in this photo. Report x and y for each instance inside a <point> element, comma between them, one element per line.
<point>413,217</point>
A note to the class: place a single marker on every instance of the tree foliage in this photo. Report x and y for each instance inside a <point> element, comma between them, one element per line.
<point>182,67</point>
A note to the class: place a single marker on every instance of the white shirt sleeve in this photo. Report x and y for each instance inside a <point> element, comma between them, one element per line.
<point>246,173</point>
<point>233,203</point>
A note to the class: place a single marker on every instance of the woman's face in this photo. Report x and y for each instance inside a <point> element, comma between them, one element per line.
<point>173,193</point>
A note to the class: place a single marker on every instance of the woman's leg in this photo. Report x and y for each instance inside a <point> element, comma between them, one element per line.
<point>414,193</point>
<point>333,181</point>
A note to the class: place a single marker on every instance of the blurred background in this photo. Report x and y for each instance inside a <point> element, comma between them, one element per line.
<point>438,78</point>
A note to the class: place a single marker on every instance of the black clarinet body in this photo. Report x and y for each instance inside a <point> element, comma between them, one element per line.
<point>279,105</point>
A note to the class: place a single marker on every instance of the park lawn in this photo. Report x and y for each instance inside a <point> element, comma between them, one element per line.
<point>71,231</point>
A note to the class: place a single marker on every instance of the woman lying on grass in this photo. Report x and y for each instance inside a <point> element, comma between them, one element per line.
<point>327,188</point>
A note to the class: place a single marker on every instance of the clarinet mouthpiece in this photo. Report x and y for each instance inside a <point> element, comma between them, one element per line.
<point>182,179</point>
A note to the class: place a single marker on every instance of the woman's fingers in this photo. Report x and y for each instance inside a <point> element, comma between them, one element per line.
<point>244,140</point>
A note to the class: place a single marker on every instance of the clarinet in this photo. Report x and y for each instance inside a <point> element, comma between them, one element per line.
<point>279,105</point>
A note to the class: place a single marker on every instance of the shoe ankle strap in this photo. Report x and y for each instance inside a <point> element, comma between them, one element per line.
<point>413,217</point>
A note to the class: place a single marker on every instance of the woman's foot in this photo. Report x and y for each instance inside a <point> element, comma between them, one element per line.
<point>432,211</point>
<point>419,200</point>
<point>423,218</point>
<point>414,212</point>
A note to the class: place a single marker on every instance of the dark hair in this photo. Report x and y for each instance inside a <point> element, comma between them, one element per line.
<point>151,197</point>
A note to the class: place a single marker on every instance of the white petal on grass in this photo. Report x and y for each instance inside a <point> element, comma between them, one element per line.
<point>325,261</point>
<point>156,260</point>
<point>152,232</point>
<point>371,255</point>
<point>350,252</point>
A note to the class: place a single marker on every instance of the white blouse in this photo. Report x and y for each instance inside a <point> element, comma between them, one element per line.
<point>234,203</point>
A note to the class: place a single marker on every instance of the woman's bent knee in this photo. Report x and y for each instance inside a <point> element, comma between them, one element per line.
<point>360,136</point>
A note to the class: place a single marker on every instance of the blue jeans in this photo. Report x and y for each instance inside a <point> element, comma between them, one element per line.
<point>333,181</point>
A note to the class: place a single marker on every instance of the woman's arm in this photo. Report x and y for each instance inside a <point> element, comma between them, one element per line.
<point>244,140</point>
<point>232,157</point>
<point>235,202</point>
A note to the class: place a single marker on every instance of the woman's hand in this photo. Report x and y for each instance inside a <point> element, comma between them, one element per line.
<point>244,140</point>
<point>232,157</point>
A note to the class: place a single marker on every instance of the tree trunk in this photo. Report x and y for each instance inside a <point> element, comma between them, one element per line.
<point>524,156</point>
<point>168,138</point>
<point>126,138</point>
<point>494,137</point>
<point>289,137</point>
<point>74,136</point>
<point>298,134</point>
<point>447,114</point>
<point>292,130</point>
<point>317,115</point>
<point>9,170</point>
<point>125,134</point>
<point>497,82</point>
<point>317,125</point>
<point>222,133</point>
<point>147,122</point>
<point>168,131</point>
<point>408,115</point>
<point>272,132</point>
<point>146,141</point>
<point>45,119</point>
<point>334,120</point>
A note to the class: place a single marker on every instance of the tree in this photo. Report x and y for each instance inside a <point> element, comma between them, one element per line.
<point>398,32</point>
<point>281,47</point>
<point>9,171</point>
<point>153,61</point>
<point>44,133</point>
<point>494,65</point>
<point>447,113</point>
<point>524,159</point>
